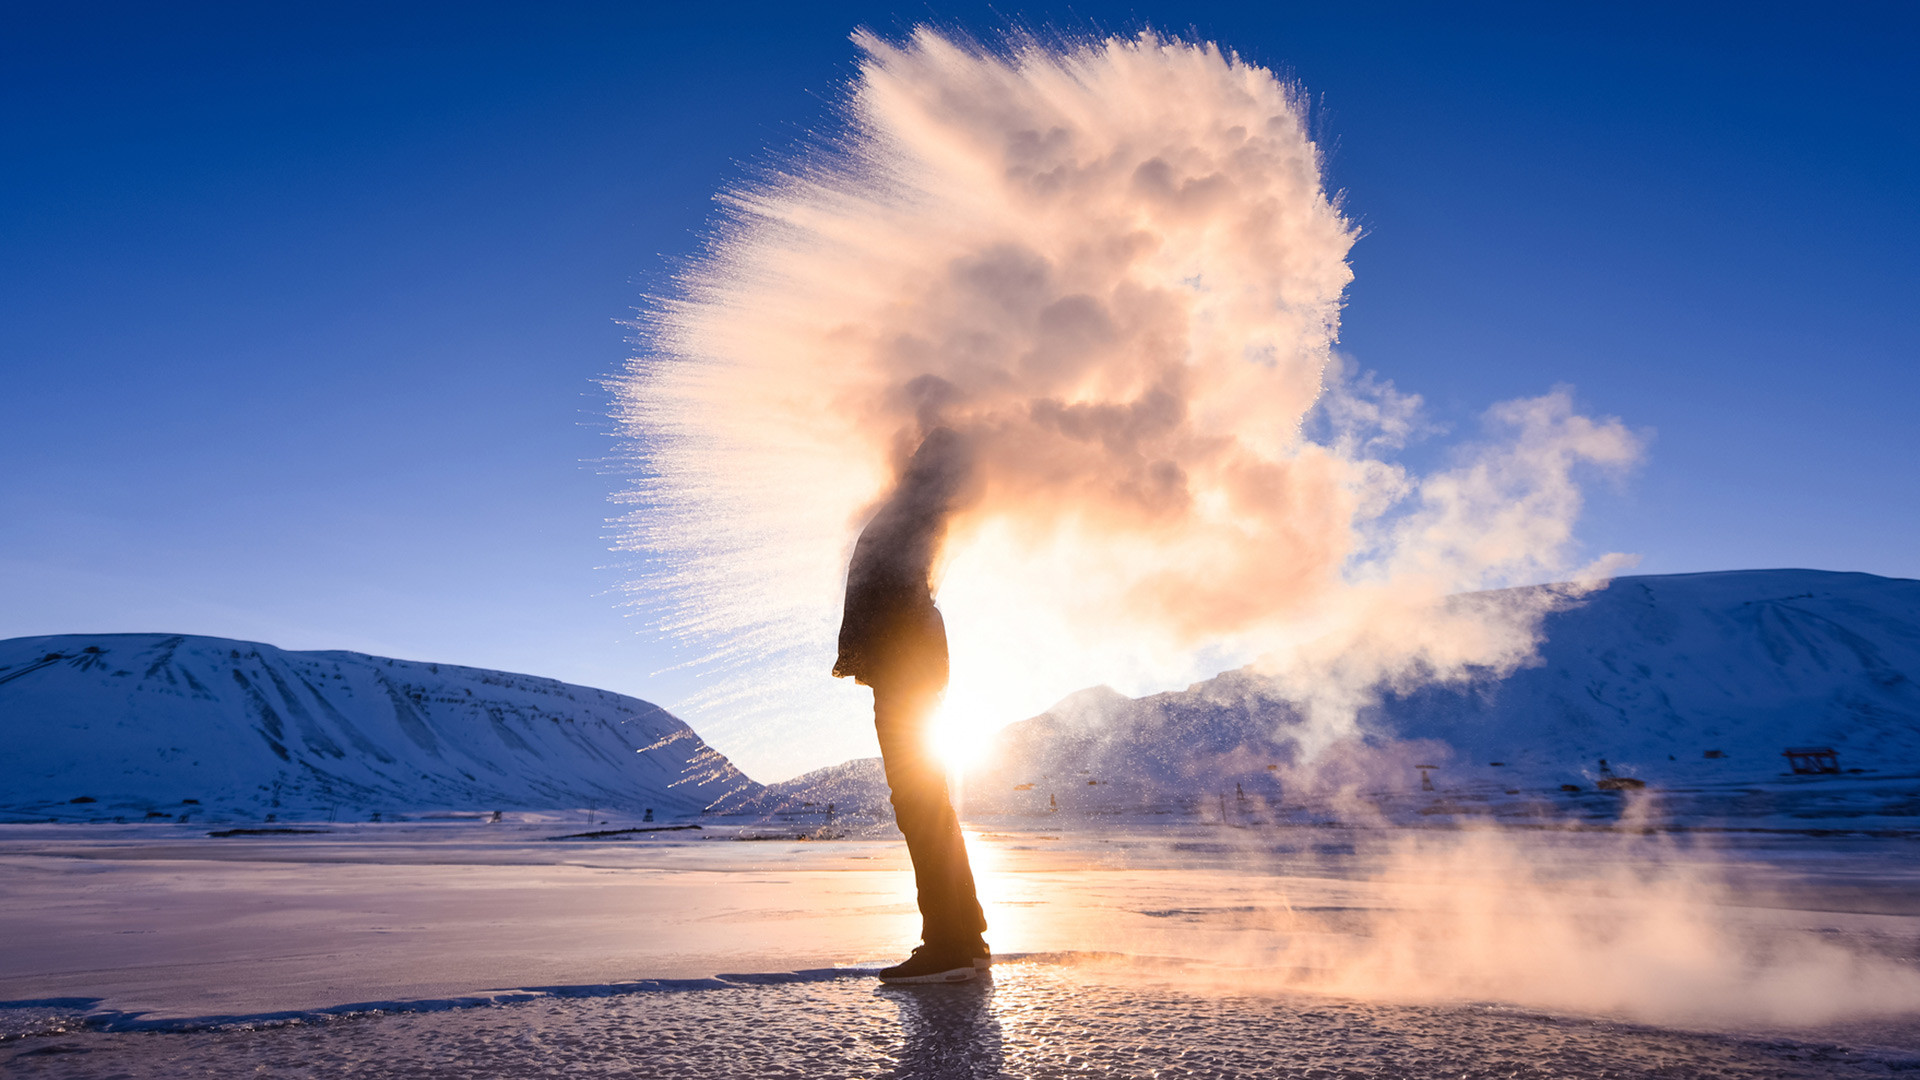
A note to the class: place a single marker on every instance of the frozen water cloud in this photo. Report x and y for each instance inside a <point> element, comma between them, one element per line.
<point>1113,268</point>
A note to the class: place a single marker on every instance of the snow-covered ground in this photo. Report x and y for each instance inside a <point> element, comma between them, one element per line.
<point>482,949</point>
<point>104,727</point>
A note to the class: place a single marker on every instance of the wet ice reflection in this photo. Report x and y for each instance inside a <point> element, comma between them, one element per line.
<point>947,1031</point>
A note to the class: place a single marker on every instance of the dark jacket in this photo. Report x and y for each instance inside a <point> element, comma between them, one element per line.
<point>891,633</point>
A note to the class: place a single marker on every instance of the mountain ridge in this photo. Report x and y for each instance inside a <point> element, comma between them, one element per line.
<point>141,723</point>
<point>1674,680</point>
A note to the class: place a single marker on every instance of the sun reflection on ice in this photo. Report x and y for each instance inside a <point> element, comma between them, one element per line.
<point>1016,908</point>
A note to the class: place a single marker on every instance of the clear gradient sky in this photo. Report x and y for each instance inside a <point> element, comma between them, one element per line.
<point>303,308</point>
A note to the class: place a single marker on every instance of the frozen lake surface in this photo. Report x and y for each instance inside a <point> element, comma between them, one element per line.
<point>462,949</point>
<point>1033,1019</point>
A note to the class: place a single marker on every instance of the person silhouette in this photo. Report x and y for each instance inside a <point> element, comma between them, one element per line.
<point>893,640</point>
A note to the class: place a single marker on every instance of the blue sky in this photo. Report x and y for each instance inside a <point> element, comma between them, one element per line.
<point>303,308</point>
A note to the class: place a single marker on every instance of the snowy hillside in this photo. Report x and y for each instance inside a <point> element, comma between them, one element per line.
<point>1657,673</point>
<point>146,725</point>
<point>1678,680</point>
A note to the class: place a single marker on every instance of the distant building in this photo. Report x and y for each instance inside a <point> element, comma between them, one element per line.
<point>1610,782</point>
<point>1812,760</point>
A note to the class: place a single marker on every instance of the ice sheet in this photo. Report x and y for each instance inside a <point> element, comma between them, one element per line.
<point>164,923</point>
<point>1033,1020</point>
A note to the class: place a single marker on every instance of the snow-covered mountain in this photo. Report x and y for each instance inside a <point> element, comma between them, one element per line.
<point>1690,676</point>
<point>1684,679</point>
<point>1678,680</point>
<point>151,725</point>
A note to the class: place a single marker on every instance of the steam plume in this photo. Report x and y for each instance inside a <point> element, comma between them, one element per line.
<point>1114,272</point>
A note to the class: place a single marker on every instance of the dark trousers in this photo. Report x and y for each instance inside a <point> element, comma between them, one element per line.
<point>950,914</point>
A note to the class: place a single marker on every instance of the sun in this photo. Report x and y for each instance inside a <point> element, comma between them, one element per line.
<point>959,739</point>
